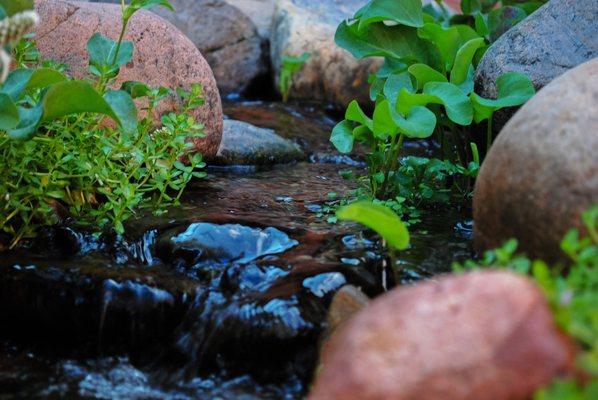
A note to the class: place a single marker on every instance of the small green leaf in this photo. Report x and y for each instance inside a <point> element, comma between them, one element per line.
<point>513,89</point>
<point>424,74</point>
<point>102,51</point>
<point>481,26</point>
<point>405,12</point>
<point>419,123</point>
<point>136,5</point>
<point>378,218</point>
<point>342,137</point>
<point>9,114</point>
<point>135,89</point>
<point>470,6</point>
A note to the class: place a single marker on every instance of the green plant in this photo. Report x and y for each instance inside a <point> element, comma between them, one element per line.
<point>75,167</point>
<point>383,221</point>
<point>572,291</point>
<point>424,89</point>
<point>290,66</point>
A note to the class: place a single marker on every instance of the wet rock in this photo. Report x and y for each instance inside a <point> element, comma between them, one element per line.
<point>559,36</point>
<point>163,55</point>
<point>331,73</point>
<point>345,303</point>
<point>228,243</point>
<point>484,335</point>
<point>246,144</point>
<point>542,171</point>
<point>225,36</point>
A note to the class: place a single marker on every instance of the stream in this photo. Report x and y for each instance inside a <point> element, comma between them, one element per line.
<point>224,297</point>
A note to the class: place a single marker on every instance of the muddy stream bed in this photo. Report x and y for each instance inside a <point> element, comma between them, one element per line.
<point>223,297</point>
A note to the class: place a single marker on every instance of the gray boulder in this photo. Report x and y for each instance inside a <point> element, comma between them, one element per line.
<point>331,74</point>
<point>542,171</point>
<point>559,36</point>
<point>260,12</point>
<point>226,37</point>
<point>246,144</point>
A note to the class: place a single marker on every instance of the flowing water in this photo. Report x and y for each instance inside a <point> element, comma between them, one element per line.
<point>223,297</point>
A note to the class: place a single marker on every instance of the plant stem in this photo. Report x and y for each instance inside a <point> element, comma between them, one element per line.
<point>120,39</point>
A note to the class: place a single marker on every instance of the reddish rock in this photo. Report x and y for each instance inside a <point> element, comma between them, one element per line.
<point>163,55</point>
<point>481,336</point>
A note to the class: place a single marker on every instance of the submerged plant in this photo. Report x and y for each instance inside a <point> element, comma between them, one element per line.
<point>61,161</point>
<point>290,66</point>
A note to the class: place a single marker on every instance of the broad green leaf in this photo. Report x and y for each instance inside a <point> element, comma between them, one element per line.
<point>377,88</point>
<point>424,74</point>
<point>11,7</point>
<point>513,89</point>
<point>391,66</point>
<point>456,103</point>
<point>342,137</point>
<point>463,60</point>
<point>102,51</point>
<point>136,5</point>
<point>405,12</point>
<point>123,106</point>
<point>355,113</point>
<point>9,114</point>
<point>74,97</point>
<point>293,64</point>
<point>446,41</point>
<point>29,119</point>
<point>395,83</point>
<point>23,79</point>
<point>379,218</point>
<point>503,19</point>
<point>397,42</point>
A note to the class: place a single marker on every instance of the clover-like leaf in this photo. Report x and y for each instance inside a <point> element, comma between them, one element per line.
<point>405,12</point>
<point>379,218</point>
<point>136,5</point>
<point>513,89</point>
<point>395,83</point>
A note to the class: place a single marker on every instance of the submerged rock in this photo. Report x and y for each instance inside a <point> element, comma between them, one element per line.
<point>246,144</point>
<point>484,335</point>
<point>559,36</point>
<point>542,171</point>
<point>163,56</point>
<point>330,74</point>
<point>228,243</point>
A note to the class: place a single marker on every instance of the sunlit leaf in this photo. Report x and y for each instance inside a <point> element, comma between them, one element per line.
<point>513,89</point>
<point>406,12</point>
<point>379,218</point>
<point>342,137</point>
